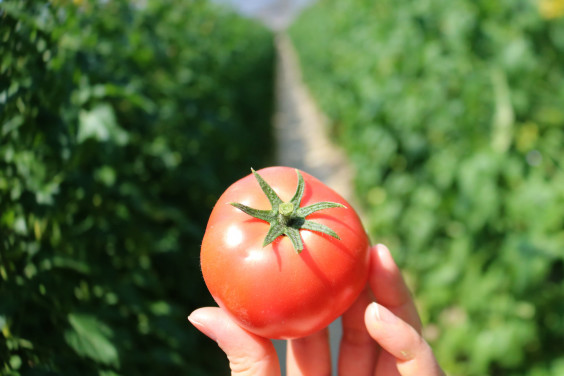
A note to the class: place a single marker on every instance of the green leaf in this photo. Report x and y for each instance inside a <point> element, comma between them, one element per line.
<point>90,338</point>
<point>100,124</point>
<point>15,362</point>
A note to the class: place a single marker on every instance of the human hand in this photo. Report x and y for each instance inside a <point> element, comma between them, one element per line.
<point>381,338</point>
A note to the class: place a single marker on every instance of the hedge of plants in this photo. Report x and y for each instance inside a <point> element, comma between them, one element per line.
<point>121,122</point>
<point>452,113</point>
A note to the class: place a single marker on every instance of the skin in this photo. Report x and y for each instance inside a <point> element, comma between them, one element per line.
<point>381,338</point>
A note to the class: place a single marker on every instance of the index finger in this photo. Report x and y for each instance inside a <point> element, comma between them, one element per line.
<point>389,287</point>
<point>248,353</point>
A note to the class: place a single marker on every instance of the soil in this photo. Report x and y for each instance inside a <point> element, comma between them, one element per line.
<point>301,128</point>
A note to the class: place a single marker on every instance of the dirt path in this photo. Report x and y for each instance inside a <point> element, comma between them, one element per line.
<point>302,142</point>
<point>300,127</point>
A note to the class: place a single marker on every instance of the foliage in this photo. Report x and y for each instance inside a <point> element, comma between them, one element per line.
<point>452,113</point>
<point>121,123</point>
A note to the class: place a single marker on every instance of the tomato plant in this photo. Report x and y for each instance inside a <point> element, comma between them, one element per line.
<point>283,253</point>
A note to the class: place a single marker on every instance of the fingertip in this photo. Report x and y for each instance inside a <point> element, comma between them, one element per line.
<point>200,319</point>
<point>377,315</point>
<point>247,352</point>
<point>389,287</point>
<point>401,341</point>
<point>371,320</point>
<point>382,249</point>
<point>196,314</point>
<point>201,315</point>
<point>385,256</point>
<point>381,258</point>
<point>394,335</point>
<point>371,312</point>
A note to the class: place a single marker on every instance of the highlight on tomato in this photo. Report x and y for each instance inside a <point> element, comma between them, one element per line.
<point>283,254</point>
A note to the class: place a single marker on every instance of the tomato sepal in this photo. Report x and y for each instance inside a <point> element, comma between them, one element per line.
<point>287,218</point>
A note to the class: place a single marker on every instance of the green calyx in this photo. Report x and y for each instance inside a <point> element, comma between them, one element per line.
<point>288,218</point>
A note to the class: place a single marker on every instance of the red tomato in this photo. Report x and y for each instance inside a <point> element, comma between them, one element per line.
<point>276,290</point>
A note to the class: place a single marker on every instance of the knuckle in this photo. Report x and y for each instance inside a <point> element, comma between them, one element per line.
<point>242,365</point>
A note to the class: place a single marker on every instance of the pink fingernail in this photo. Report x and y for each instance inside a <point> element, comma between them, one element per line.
<point>383,250</point>
<point>199,322</point>
<point>381,313</point>
<point>375,310</point>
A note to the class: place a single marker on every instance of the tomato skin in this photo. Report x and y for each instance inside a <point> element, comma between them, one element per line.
<point>274,291</point>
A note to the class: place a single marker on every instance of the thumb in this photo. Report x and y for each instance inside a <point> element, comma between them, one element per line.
<point>248,353</point>
<point>413,355</point>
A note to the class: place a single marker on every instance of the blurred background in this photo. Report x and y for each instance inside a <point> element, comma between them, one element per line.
<point>121,123</point>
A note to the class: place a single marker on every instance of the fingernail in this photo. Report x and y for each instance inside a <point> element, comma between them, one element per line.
<point>198,320</point>
<point>381,313</point>
<point>386,258</point>
<point>383,250</point>
<point>375,310</point>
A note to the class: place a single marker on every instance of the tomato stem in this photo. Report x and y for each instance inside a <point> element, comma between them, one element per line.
<point>285,212</point>
<point>288,218</point>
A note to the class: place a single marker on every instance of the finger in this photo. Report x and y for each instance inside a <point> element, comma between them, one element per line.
<point>389,288</point>
<point>358,351</point>
<point>309,356</point>
<point>387,365</point>
<point>248,353</point>
<point>412,354</point>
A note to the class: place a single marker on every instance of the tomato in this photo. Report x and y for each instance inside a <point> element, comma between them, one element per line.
<point>294,269</point>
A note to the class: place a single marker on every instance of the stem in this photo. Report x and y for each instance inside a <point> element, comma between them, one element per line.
<point>285,212</point>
